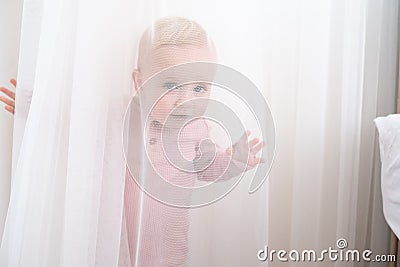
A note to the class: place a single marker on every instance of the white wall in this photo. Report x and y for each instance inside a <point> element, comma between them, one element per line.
<point>10,17</point>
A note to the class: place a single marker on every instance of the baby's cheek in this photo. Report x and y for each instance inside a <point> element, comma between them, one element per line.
<point>162,108</point>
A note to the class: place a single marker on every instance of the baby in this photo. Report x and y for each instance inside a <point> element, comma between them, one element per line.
<point>160,236</point>
<point>154,233</point>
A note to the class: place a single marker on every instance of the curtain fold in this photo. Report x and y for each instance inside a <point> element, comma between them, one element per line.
<point>342,57</point>
<point>68,179</point>
<point>10,16</point>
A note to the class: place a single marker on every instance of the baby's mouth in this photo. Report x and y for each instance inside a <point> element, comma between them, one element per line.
<point>179,116</point>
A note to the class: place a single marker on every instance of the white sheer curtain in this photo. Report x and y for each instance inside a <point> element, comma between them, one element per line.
<point>333,71</point>
<point>67,186</point>
<point>74,83</point>
<point>10,16</point>
<point>327,68</point>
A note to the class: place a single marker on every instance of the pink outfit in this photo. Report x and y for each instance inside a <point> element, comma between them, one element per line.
<point>158,233</point>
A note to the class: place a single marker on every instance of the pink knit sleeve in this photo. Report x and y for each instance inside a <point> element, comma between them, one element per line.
<point>223,166</point>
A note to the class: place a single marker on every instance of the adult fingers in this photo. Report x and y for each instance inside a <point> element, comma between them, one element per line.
<point>13,82</point>
<point>7,92</point>
<point>9,109</point>
<point>7,101</point>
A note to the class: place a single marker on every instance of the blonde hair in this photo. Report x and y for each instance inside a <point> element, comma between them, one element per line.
<point>172,31</point>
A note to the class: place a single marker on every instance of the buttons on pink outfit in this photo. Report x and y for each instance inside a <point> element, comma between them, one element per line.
<point>152,141</point>
<point>155,124</point>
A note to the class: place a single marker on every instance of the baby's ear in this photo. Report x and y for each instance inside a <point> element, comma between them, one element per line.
<point>137,78</point>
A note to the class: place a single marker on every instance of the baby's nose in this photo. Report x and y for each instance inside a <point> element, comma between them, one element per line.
<point>183,94</point>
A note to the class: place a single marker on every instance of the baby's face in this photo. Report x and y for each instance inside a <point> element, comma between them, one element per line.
<point>169,89</point>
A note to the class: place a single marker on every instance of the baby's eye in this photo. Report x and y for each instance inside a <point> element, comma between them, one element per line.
<point>199,89</point>
<point>169,85</point>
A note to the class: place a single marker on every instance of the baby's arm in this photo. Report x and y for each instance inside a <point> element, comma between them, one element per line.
<point>233,161</point>
<point>218,168</point>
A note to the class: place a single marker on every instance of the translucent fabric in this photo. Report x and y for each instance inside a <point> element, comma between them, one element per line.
<point>10,14</point>
<point>68,179</point>
<point>71,204</point>
<point>184,203</point>
<point>85,189</point>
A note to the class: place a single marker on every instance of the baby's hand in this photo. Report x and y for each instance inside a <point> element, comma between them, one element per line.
<point>243,147</point>
<point>10,99</point>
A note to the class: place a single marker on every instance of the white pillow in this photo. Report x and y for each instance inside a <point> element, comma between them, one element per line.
<point>389,143</point>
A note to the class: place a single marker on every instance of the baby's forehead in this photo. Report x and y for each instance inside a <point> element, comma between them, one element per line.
<point>179,62</point>
<point>189,51</point>
<point>187,73</point>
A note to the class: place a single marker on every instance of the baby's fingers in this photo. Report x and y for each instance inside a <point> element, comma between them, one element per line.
<point>243,139</point>
<point>260,160</point>
<point>258,147</point>
<point>254,162</point>
<point>253,142</point>
<point>9,93</point>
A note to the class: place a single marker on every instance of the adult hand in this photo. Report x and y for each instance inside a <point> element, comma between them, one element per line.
<point>9,98</point>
